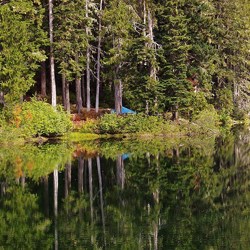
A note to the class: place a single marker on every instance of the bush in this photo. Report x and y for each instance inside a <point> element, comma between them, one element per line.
<point>89,126</point>
<point>207,120</point>
<point>113,124</point>
<point>37,118</point>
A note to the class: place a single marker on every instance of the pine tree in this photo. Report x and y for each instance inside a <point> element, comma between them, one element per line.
<point>143,89</point>
<point>173,36</point>
<point>21,39</point>
<point>71,41</point>
<point>118,18</point>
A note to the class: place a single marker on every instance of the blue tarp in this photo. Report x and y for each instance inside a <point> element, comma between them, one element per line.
<point>125,156</point>
<point>125,111</point>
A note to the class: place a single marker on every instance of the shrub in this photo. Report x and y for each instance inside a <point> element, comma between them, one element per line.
<point>207,120</point>
<point>113,124</point>
<point>37,118</point>
<point>89,126</point>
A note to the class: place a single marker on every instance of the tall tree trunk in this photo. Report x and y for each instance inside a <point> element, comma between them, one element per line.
<point>118,96</point>
<point>64,91</point>
<point>83,91</point>
<point>23,181</point>
<point>67,98</point>
<point>78,91</point>
<point>1,99</point>
<point>43,79</point>
<point>153,71</point>
<point>88,62</point>
<point>98,60</point>
<point>78,95</point>
<point>52,59</point>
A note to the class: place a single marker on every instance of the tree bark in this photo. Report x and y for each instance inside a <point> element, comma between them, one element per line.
<point>118,96</point>
<point>43,79</point>
<point>83,91</point>
<point>52,59</point>
<point>98,60</point>
<point>87,62</point>
<point>67,98</point>
<point>153,71</point>
<point>78,95</point>
<point>1,98</point>
<point>64,91</point>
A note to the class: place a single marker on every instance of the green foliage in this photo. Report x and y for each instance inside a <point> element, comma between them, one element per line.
<point>199,102</point>
<point>70,40</point>
<point>159,50</point>
<point>173,36</point>
<point>32,161</point>
<point>21,39</point>
<point>113,124</point>
<point>37,118</point>
<point>224,101</point>
<point>89,126</point>
<point>23,226</point>
<point>207,120</point>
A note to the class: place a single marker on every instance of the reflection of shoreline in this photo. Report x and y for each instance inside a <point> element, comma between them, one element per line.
<point>178,196</point>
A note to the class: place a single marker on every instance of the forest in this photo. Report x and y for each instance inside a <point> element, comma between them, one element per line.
<point>152,56</point>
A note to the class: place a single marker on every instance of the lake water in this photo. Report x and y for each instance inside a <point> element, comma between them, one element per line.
<point>127,194</point>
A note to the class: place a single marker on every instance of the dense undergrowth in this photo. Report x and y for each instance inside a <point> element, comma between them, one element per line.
<point>206,122</point>
<point>32,119</point>
<point>37,118</point>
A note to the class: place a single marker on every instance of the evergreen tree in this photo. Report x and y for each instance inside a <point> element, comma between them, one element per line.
<point>21,39</point>
<point>143,91</point>
<point>173,36</point>
<point>71,41</point>
<point>118,18</point>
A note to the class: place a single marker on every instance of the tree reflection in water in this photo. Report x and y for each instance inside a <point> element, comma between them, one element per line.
<point>162,195</point>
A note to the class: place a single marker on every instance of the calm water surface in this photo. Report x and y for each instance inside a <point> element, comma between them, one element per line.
<point>140,194</point>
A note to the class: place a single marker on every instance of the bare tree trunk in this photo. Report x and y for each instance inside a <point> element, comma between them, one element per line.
<point>52,59</point>
<point>67,98</point>
<point>98,61</point>
<point>144,18</point>
<point>87,62</point>
<point>43,79</point>
<point>23,181</point>
<point>153,71</point>
<point>78,95</point>
<point>78,91</point>
<point>118,97</point>
<point>64,91</point>
<point>65,94</point>
<point>1,98</point>
<point>83,91</point>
